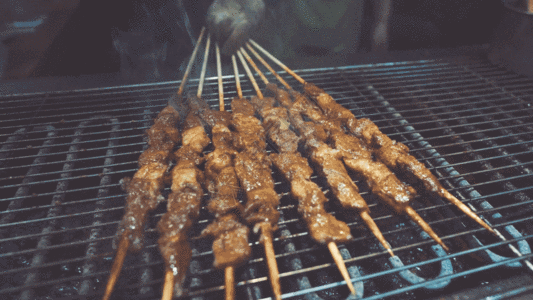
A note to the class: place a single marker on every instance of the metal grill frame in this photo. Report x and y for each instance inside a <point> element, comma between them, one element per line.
<point>89,125</point>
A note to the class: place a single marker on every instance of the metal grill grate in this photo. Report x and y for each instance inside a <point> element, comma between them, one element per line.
<point>62,155</point>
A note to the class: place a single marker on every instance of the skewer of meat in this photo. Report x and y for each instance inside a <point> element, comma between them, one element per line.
<point>332,168</point>
<point>358,158</point>
<point>184,202</point>
<point>380,179</point>
<point>253,168</point>
<point>394,155</point>
<point>323,227</point>
<point>144,189</point>
<point>230,245</point>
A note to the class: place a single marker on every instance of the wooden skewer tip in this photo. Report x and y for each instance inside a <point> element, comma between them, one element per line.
<point>425,226</point>
<point>220,86</point>
<point>117,266</point>
<point>466,210</point>
<point>229,283</point>
<point>168,287</point>
<point>339,261</point>
<point>266,232</point>
<point>204,67</point>
<point>375,230</point>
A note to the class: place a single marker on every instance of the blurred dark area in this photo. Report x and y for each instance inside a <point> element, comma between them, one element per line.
<point>91,41</point>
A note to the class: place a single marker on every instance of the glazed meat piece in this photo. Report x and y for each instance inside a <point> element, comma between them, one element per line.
<point>332,168</point>
<point>222,182</point>
<point>163,133</point>
<point>330,107</point>
<point>230,246</point>
<point>173,243</point>
<point>276,123</point>
<point>250,132</point>
<point>143,196</point>
<point>323,227</point>
<point>379,178</point>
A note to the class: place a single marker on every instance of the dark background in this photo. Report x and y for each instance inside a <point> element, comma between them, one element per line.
<point>85,45</point>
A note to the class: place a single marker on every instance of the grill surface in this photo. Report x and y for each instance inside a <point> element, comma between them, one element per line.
<point>62,155</point>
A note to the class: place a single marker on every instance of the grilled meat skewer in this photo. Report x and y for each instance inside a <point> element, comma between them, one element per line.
<point>230,245</point>
<point>329,163</point>
<point>382,182</point>
<point>144,189</point>
<point>184,201</point>
<point>394,155</point>
<point>323,227</point>
<point>253,168</point>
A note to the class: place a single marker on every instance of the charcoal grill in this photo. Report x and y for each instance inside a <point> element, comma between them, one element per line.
<point>62,155</point>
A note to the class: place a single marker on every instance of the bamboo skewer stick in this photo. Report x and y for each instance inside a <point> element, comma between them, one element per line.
<point>117,266</point>
<point>425,226</point>
<point>249,59</point>
<point>204,65</point>
<point>168,288</point>
<point>250,75</point>
<point>277,61</point>
<point>273,272</point>
<point>375,230</point>
<point>339,261</point>
<point>219,73</point>
<point>229,283</point>
<point>332,246</point>
<point>237,79</point>
<point>266,229</point>
<point>279,78</point>
<point>189,65</point>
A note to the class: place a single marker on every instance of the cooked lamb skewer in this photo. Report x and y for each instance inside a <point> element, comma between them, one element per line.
<point>382,182</point>
<point>230,245</point>
<point>144,189</point>
<point>323,227</point>
<point>253,168</point>
<point>297,171</point>
<point>393,154</point>
<point>183,205</point>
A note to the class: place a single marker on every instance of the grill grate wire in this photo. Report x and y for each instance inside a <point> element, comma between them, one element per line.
<point>63,153</point>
